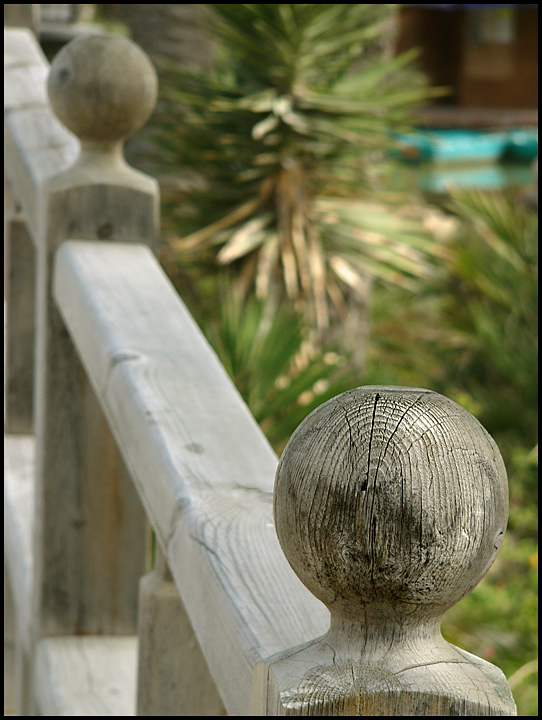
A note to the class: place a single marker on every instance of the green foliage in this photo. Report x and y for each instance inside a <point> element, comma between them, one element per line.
<point>493,304</point>
<point>277,140</point>
<point>472,335</point>
<point>280,374</point>
<point>472,331</point>
<point>498,620</point>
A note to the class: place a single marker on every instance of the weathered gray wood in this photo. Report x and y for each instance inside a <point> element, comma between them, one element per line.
<point>36,146</point>
<point>86,676</point>
<point>25,71</point>
<point>10,697</point>
<point>103,88</point>
<point>202,467</point>
<point>173,678</point>
<point>19,466</point>
<point>90,529</point>
<point>21,16</point>
<point>390,504</point>
<point>19,346</point>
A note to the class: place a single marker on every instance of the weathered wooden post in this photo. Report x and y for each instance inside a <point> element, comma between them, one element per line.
<point>19,346</point>
<point>173,678</point>
<point>390,505</point>
<point>92,533</point>
<point>90,528</point>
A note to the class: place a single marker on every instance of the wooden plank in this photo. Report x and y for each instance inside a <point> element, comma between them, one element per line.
<point>202,467</point>
<point>24,86</point>
<point>36,145</point>
<point>10,697</point>
<point>21,48</point>
<point>85,676</point>
<point>19,346</point>
<point>90,531</point>
<point>90,534</point>
<point>18,521</point>
<point>173,678</point>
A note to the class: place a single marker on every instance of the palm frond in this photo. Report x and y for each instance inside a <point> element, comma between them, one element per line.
<point>279,374</point>
<point>290,119</point>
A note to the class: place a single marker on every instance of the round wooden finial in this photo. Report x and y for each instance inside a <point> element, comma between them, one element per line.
<point>390,505</point>
<point>102,87</point>
<point>393,498</point>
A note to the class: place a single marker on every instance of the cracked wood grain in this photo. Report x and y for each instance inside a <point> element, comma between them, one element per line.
<point>390,505</point>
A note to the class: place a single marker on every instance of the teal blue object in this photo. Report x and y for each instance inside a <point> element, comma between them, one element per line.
<point>522,145</point>
<point>467,145</point>
<point>495,176</point>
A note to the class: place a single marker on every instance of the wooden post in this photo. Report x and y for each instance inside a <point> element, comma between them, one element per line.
<point>19,280</point>
<point>173,678</point>
<point>22,16</point>
<point>90,528</point>
<point>390,505</point>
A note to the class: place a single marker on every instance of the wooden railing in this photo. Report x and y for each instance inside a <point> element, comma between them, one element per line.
<point>390,503</point>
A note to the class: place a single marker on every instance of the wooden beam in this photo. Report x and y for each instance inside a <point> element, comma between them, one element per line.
<point>19,466</point>
<point>202,467</point>
<point>90,528</point>
<point>36,145</point>
<point>173,678</point>
<point>86,676</point>
<point>19,287</point>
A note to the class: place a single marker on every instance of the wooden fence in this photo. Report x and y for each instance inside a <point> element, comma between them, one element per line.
<point>390,503</point>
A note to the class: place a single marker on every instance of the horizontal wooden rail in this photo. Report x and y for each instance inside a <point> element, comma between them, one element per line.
<point>36,145</point>
<point>202,467</point>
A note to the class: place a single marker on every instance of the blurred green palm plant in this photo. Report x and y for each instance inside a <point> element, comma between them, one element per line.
<point>283,147</point>
<point>281,375</point>
<point>471,331</point>
<point>492,302</point>
<point>471,334</point>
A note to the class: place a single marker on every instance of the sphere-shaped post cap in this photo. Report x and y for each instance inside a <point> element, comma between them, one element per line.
<point>102,87</point>
<point>392,499</point>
